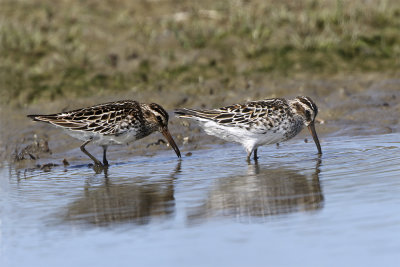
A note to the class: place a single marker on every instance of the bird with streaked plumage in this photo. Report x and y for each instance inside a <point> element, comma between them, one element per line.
<point>258,123</point>
<point>113,123</point>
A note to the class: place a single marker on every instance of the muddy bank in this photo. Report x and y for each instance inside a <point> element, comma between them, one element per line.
<point>354,105</point>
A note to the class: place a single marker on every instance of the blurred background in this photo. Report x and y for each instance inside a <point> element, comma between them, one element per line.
<point>73,49</point>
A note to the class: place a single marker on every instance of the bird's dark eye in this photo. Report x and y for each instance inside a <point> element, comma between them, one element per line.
<point>308,115</point>
<point>159,119</point>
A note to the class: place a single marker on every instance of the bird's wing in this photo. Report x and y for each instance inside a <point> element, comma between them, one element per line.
<point>108,118</point>
<point>239,114</point>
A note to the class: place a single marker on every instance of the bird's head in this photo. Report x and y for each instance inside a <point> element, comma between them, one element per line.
<point>307,110</point>
<point>158,117</point>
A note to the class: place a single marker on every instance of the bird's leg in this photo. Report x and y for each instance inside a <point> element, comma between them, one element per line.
<point>255,155</point>
<point>105,161</point>
<point>96,161</point>
<point>248,156</point>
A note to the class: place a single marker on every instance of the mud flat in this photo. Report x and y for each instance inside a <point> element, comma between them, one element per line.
<point>359,105</point>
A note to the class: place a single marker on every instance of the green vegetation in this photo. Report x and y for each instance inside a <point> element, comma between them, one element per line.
<point>50,49</point>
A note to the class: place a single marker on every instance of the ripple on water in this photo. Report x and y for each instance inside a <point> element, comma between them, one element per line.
<point>290,197</point>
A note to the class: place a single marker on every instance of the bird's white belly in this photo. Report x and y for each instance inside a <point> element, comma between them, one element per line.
<point>237,134</point>
<point>103,140</point>
<point>224,132</point>
<point>249,139</point>
<point>269,138</point>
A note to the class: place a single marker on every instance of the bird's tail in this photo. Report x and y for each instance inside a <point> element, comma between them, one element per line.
<point>45,118</point>
<point>56,120</point>
<point>195,113</point>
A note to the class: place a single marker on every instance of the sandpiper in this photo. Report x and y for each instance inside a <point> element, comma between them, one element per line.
<point>113,123</point>
<point>258,123</point>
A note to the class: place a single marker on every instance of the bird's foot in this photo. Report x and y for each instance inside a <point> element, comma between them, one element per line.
<point>99,168</point>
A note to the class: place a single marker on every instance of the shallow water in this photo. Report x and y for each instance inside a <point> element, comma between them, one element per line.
<point>211,209</point>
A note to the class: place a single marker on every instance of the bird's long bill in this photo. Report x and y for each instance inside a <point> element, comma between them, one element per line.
<point>311,128</point>
<point>171,141</point>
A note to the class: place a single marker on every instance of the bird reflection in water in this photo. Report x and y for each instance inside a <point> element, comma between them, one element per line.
<point>261,193</point>
<point>137,202</point>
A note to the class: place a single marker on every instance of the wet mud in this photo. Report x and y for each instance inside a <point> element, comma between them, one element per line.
<point>359,105</point>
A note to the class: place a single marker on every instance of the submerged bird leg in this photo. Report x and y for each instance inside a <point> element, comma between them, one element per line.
<point>105,161</point>
<point>96,161</point>
<point>248,156</point>
<point>255,155</point>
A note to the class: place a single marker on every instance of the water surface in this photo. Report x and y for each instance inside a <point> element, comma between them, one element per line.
<point>211,209</point>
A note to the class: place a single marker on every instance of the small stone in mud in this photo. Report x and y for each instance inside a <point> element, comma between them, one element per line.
<point>47,167</point>
<point>132,56</point>
<point>65,162</point>
<point>113,60</point>
<point>33,150</point>
<point>186,140</point>
<point>386,104</point>
<point>305,140</point>
<point>277,144</point>
<point>185,123</point>
<point>159,141</point>
<point>188,154</point>
<point>182,101</point>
